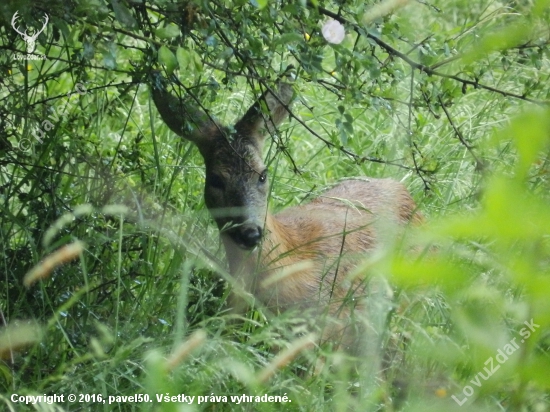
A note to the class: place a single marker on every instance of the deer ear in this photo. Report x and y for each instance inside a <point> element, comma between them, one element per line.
<point>266,114</point>
<point>180,115</point>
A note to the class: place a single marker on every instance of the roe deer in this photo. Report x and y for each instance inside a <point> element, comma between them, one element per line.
<point>345,221</point>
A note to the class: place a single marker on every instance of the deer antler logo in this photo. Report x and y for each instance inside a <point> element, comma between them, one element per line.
<point>29,39</point>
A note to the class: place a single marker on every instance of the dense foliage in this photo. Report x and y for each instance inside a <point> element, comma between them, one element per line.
<point>449,96</point>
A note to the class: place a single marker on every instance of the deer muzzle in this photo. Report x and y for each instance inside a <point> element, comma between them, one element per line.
<point>246,235</point>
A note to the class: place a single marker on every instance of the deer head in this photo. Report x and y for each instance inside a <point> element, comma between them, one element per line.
<point>236,186</point>
<point>29,39</point>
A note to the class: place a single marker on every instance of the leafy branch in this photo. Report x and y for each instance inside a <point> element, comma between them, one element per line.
<point>429,70</point>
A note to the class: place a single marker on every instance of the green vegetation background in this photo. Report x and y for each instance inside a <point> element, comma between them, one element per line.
<point>448,96</point>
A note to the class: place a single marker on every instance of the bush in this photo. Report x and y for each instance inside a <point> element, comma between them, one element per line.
<point>102,210</point>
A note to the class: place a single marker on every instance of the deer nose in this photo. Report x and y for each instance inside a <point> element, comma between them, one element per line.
<point>250,236</point>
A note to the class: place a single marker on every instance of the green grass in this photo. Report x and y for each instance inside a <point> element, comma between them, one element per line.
<point>143,310</point>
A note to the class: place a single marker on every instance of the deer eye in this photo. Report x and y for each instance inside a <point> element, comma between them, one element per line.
<point>215,181</point>
<point>263,177</point>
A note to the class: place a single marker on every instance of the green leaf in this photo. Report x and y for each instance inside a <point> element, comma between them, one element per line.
<point>510,213</point>
<point>189,59</point>
<point>184,58</point>
<point>109,59</point>
<point>438,270</point>
<point>95,9</point>
<point>349,127</point>
<point>531,133</point>
<point>168,59</point>
<point>123,14</point>
<point>259,3</point>
<point>342,132</point>
<point>288,38</point>
<point>168,32</point>
<point>503,39</point>
<point>197,61</point>
<point>541,6</point>
<point>88,50</point>
<point>349,117</point>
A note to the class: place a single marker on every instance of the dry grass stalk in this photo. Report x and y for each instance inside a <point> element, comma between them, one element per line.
<point>183,351</point>
<point>60,256</point>
<point>286,356</point>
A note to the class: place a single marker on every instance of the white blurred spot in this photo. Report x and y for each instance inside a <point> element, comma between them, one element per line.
<point>333,32</point>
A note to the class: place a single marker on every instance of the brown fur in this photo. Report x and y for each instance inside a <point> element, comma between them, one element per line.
<point>333,231</point>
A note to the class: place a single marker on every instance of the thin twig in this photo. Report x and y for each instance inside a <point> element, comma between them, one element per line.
<point>418,66</point>
<point>459,134</point>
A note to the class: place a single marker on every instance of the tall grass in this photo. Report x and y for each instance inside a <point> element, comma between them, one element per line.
<point>141,309</point>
